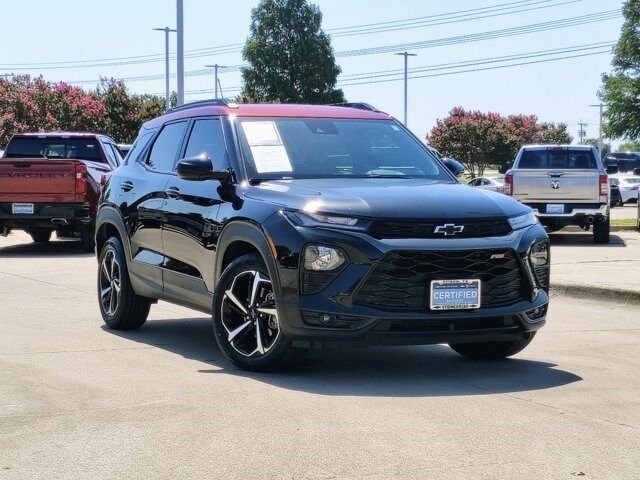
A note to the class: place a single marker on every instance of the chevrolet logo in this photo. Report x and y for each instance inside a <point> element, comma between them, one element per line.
<point>449,229</point>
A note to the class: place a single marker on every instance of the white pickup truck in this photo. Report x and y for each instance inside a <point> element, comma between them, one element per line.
<point>564,185</point>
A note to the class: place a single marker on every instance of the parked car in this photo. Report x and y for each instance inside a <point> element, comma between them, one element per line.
<point>615,199</point>
<point>626,162</point>
<point>124,149</point>
<point>298,225</point>
<point>51,181</point>
<point>495,184</point>
<point>565,185</point>
<point>627,186</point>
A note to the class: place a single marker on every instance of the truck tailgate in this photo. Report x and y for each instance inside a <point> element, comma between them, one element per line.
<point>567,186</point>
<point>37,180</point>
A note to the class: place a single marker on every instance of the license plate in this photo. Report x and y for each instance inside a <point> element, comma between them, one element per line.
<point>455,294</point>
<point>22,208</point>
<point>555,208</point>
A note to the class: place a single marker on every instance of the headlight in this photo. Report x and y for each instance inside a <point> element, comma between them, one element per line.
<point>522,221</point>
<point>322,258</point>
<point>540,254</point>
<point>307,219</point>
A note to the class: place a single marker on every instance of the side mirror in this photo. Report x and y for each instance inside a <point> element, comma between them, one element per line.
<point>454,166</point>
<point>200,168</point>
<point>612,169</point>
<point>504,169</point>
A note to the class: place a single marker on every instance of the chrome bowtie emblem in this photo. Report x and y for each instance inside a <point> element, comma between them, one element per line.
<point>449,229</point>
<point>555,184</point>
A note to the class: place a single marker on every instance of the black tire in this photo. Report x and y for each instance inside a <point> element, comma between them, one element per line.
<point>88,240</point>
<point>130,311</point>
<point>602,231</point>
<point>40,235</point>
<point>249,323</point>
<point>493,350</point>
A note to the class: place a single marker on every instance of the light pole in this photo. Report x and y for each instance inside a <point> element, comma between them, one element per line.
<point>406,55</point>
<point>180,53</point>
<point>167,93</point>
<point>215,67</point>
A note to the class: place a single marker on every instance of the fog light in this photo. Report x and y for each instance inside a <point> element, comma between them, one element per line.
<point>326,319</point>
<point>540,254</point>
<point>321,258</point>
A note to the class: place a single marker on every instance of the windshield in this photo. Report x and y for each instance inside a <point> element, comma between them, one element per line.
<point>632,180</point>
<point>325,148</point>
<point>557,159</point>
<point>53,147</point>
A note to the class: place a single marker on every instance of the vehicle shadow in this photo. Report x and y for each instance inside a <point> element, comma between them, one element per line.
<point>390,371</point>
<point>54,248</point>
<point>584,239</point>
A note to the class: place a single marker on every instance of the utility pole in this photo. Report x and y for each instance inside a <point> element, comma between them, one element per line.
<point>581,130</point>
<point>167,92</point>
<point>406,55</point>
<point>215,67</point>
<point>180,53</point>
<point>6,76</point>
<point>600,140</point>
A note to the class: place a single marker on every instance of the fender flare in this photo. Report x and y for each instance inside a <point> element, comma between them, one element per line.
<point>109,214</point>
<point>247,232</point>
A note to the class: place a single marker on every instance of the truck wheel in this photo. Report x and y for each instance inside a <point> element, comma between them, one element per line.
<point>246,322</point>
<point>88,240</point>
<point>120,306</point>
<point>40,235</point>
<point>601,231</point>
<point>493,350</point>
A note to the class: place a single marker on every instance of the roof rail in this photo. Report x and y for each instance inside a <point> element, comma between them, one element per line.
<point>200,103</point>
<point>358,105</point>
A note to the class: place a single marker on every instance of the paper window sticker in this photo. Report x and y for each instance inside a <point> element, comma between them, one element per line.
<point>271,158</point>
<point>261,133</point>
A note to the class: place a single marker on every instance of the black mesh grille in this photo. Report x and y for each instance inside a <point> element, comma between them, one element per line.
<point>457,325</point>
<point>542,274</point>
<point>409,229</point>
<point>401,279</point>
<point>313,282</point>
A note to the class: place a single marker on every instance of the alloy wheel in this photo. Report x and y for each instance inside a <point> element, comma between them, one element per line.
<point>249,315</point>
<point>110,283</point>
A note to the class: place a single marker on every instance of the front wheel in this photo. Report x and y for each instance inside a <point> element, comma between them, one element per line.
<point>493,350</point>
<point>88,240</point>
<point>245,318</point>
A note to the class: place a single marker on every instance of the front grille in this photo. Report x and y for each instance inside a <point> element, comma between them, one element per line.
<point>401,279</point>
<point>417,229</point>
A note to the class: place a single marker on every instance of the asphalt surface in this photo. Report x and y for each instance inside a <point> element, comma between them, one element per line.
<point>78,401</point>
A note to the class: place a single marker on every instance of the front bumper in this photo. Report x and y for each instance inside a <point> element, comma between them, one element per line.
<point>333,313</point>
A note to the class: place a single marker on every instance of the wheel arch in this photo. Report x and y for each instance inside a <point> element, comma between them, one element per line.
<point>241,237</point>
<point>109,223</point>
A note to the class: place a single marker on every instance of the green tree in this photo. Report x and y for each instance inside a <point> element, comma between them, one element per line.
<point>554,133</point>
<point>594,142</point>
<point>630,146</point>
<point>290,57</point>
<point>621,89</point>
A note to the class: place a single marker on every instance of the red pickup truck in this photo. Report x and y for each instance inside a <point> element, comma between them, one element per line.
<point>51,182</point>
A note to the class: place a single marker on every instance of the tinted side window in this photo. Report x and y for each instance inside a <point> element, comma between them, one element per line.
<point>165,149</point>
<point>139,146</point>
<point>206,138</point>
<point>111,156</point>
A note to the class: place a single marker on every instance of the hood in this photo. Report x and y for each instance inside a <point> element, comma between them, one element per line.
<point>386,198</point>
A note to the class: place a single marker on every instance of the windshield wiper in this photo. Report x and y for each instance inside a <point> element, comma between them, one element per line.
<point>258,181</point>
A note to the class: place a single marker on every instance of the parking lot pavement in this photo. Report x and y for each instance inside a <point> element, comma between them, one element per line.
<point>80,401</point>
<point>576,260</point>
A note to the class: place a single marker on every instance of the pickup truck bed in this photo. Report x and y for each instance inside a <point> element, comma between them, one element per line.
<point>41,194</point>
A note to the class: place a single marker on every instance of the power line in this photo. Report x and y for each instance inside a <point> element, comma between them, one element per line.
<point>237,47</point>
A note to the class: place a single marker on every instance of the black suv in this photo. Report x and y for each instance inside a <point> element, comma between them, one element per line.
<point>297,225</point>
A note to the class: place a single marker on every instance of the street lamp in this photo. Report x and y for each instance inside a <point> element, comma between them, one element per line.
<point>406,55</point>
<point>166,31</point>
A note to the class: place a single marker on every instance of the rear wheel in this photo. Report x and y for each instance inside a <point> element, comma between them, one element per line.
<point>40,235</point>
<point>602,231</point>
<point>245,318</point>
<point>120,306</point>
<point>493,350</point>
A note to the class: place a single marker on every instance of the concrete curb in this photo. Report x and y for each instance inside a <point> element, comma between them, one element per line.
<point>605,294</point>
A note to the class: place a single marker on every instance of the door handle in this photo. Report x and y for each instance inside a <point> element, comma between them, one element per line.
<point>172,192</point>
<point>126,186</point>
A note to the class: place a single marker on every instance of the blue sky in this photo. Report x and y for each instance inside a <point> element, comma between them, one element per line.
<point>77,30</point>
